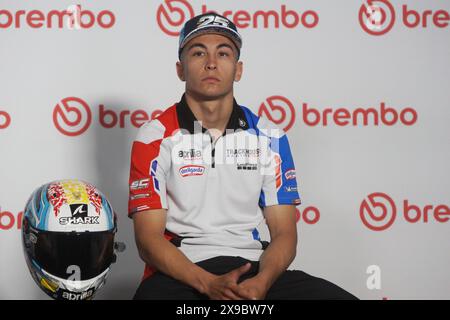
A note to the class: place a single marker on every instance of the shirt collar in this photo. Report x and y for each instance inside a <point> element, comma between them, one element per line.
<point>186,117</point>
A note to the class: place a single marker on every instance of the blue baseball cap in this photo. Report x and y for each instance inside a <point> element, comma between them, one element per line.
<point>209,23</point>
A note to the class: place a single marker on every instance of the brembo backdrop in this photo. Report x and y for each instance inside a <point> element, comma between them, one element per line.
<point>361,88</point>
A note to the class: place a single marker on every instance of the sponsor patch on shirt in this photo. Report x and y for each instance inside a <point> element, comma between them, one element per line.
<point>247,166</point>
<point>190,154</point>
<point>187,171</point>
<point>139,208</point>
<point>139,196</point>
<point>139,184</point>
<point>290,189</point>
<point>290,174</point>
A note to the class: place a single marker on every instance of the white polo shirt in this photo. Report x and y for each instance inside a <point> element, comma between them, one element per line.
<point>213,191</point>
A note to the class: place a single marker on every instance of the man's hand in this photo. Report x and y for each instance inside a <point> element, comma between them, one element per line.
<point>225,287</point>
<point>252,289</point>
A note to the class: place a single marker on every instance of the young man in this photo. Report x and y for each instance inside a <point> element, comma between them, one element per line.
<point>198,174</point>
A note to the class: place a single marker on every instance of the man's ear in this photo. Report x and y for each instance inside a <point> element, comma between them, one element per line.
<point>180,70</point>
<point>239,70</point>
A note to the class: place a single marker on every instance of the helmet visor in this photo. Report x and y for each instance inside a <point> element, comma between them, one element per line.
<point>72,255</point>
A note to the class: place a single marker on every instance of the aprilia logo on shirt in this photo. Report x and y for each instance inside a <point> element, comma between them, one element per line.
<point>190,154</point>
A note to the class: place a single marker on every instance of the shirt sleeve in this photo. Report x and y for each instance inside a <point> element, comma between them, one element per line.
<point>150,162</point>
<point>279,176</point>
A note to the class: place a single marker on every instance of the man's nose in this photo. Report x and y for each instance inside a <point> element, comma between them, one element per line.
<point>211,63</point>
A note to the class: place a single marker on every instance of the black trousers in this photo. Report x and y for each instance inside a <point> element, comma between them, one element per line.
<point>291,285</point>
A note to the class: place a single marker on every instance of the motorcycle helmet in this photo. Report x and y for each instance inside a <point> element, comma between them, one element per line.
<point>68,230</point>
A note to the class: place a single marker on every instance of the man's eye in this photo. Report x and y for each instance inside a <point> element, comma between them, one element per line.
<point>198,53</point>
<point>224,54</point>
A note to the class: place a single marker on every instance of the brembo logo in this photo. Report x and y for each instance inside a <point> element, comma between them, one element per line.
<point>172,14</point>
<point>8,220</point>
<point>5,119</point>
<point>370,211</point>
<point>74,17</point>
<point>378,17</point>
<point>379,211</point>
<point>282,112</point>
<point>279,110</point>
<point>309,215</point>
<point>73,116</point>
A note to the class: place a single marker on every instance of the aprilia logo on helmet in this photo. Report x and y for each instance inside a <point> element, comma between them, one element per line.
<point>77,296</point>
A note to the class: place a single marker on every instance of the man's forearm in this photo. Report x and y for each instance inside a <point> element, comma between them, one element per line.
<point>165,257</point>
<point>276,258</point>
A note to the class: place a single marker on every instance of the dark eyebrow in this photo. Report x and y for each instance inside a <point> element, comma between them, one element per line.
<point>226,45</point>
<point>196,45</point>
